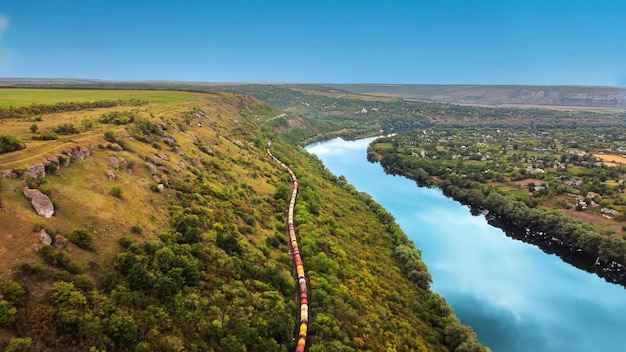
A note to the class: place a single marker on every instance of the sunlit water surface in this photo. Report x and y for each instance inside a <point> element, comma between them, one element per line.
<point>514,296</point>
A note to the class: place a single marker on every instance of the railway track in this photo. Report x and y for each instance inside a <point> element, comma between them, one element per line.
<point>302,297</point>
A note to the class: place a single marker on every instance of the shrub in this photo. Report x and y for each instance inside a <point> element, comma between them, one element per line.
<point>34,128</point>
<point>82,239</point>
<point>10,143</point>
<point>46,136</point>
<point>116,191</point>
<point>66,128</point>
<point>109,136</point>
<point>118,117</point>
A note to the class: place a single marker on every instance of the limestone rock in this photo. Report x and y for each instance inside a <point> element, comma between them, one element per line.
<point>36,170</point>
<point>151,167</point>
<point>163,156</point>
<point>81,153</point>
<point>42,204</point>
<point>44,238</point>
<point>207,149</point>
<point>110,175</point>
<point>114,162</point>
<point>59,242</point>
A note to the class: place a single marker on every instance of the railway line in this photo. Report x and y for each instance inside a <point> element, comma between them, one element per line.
<point>302,297</point>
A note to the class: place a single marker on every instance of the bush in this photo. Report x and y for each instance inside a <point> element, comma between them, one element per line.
<point>46,136</point>
<point>116,191</point>
<point>118,117</point>
<point>66,128</point>
<point>10,143</point>
<point>82,239</point>
<point>109,136</point>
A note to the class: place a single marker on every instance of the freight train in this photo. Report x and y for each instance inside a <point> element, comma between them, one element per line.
<point>303,299</point>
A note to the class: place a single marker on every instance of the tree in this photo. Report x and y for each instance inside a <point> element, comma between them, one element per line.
<point>34,128</point>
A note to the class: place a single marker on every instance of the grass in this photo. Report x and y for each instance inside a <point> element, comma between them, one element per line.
<point>26,96</point>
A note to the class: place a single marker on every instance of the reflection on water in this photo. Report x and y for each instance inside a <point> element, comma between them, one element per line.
<point>516,297</point>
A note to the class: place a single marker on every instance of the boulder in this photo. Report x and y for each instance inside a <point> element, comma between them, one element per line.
<point>110,175</point>
<point>36,170</point>
<point>42,204</point>
<point>59,242</point>
<point>81,153</point>
<point>44,238</point>
<point>151,167</point>
<point>163,156</point>
<point>114,162</point>
<point>160,187</point>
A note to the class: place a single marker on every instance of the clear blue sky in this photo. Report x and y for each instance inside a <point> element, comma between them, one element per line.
<point>342,41</point>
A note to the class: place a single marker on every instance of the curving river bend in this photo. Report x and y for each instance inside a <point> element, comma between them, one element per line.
<point>515,297</point>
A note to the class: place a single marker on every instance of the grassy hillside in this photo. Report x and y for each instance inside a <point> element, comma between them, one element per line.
<point>175,234</point>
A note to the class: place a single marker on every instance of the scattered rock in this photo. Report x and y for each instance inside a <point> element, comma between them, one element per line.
<point>151,167</point>
<point>155,159</point>
<point>44,238</point>
<point>81,153</point>
<point>59,242</point>
<point>156,179</point>
<point>110,175</point>
<point>163,156</point>
<point>168,140</point>
<point>179,151</point>
<point>198,162</point>
<point>182,165</point>
<point>8,174</point>
<point>160,187</point>
<point>42,204</point>
<point>207,149</point>
<point>115,147</point>
<point>114,162</point>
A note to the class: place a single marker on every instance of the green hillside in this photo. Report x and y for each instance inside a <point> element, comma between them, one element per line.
<point>172,216</point>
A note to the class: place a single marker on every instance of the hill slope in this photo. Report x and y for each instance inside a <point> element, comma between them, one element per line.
<point>173,221</point>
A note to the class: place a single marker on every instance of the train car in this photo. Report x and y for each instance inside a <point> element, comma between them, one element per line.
<point>301,344</point>
<point>303,330</point>
<point>302,285</point>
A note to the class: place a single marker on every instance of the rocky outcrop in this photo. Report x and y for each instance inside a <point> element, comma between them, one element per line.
<point>81,153</point>
<point>42,204</point>
<point>44,238</point>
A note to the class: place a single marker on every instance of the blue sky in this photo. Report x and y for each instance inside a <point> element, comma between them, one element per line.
<point>421,41</point>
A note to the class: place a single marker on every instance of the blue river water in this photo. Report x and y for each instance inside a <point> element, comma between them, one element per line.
<point>515,297</point>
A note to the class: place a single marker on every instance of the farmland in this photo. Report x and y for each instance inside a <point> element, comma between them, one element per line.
<point>22,97</point>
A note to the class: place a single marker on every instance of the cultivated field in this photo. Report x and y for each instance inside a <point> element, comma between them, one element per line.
<point>27,96</point>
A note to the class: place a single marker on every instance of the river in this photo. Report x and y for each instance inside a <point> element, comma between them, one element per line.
<point>516,297</point>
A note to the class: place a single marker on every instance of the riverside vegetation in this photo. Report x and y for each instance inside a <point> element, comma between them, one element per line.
<point>175,231</point>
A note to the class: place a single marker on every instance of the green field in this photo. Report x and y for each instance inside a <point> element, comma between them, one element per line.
<point>25,96</point>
